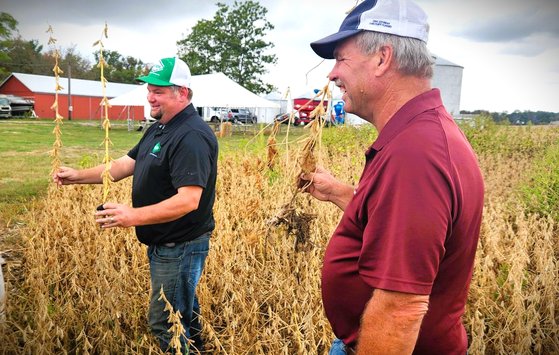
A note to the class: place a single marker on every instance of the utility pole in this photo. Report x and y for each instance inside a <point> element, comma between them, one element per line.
<point>70,108</point>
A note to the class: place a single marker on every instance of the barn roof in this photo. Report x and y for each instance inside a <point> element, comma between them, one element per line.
<point>46,85</point>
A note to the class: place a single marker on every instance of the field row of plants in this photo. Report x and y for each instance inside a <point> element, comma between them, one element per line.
<point>79,289</point>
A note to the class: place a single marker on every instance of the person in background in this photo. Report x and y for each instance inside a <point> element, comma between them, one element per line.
<point>174,168</point>
<point>340,113</point>
<point>397,268</point>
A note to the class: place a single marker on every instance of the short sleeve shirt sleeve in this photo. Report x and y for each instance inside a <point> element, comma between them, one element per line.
<point>190,161</point>
<point>408,210</point>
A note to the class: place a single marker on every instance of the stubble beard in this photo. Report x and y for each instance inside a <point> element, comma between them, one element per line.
<point>156,114</point>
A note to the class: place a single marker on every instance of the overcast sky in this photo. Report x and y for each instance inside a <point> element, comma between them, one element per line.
<point>509,48</point>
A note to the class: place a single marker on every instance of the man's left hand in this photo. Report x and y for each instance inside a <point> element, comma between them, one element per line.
<point>114,215</point>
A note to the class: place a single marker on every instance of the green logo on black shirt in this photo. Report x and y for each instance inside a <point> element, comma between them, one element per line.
<point>156,148</point>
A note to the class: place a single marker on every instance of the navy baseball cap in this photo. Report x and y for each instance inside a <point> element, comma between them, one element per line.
<point>398,17</point>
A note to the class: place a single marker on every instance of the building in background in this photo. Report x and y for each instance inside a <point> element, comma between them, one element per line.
<point>85,96</point>
<point>447,76</point>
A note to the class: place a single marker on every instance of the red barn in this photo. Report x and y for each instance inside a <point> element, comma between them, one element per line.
<point>86,96</point>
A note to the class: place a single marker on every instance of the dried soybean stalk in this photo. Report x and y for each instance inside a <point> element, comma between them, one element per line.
<point>299,222</point>
<point>176,329</point>
<point>55,152</point>
<point>106,125</point>
<point>272,146</point>
<point>307,157</point>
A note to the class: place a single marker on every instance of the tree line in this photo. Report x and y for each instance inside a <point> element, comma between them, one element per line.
<point>518,117</point>
<point>29,56</point>
<point>232,42</point>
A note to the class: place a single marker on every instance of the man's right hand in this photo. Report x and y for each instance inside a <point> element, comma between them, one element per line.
<point>324,187</point>
<point>65,176</point>
<point>319,183</point>
<point>119,169</point>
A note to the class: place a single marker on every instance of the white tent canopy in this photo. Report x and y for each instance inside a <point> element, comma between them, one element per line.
<point>210,90</point>
<point>135,97</point>
<point>217,90</point>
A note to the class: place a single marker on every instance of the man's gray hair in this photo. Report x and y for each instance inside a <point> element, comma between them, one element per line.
<point>411,55</point>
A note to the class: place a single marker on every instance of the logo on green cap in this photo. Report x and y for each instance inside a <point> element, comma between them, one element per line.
<point>168,72</point>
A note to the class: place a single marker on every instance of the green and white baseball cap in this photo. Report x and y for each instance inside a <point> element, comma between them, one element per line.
<point>168,72</point>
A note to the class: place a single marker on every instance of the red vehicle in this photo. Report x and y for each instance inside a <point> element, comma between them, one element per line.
<point>305,112</point>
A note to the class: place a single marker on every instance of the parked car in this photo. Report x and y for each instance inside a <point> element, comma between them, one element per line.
<point>241,115</point>
<point>16,106</point>
<point>145,123</point>
<point>5,109</point>
<point>20,106</point>
<point>284,118</point>
<point>217,114</point>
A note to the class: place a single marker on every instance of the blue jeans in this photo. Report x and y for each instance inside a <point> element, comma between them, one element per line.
<point>178,268</point>
<point>337,348</point>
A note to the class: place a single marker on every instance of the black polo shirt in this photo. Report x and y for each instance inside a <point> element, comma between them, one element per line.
<point>181,153</point>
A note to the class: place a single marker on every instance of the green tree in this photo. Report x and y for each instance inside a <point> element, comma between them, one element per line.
<point>70,57</point>
<point>18,54</point>
<point>232,43</point>
<point>81,66</point>
<point>25,57</point>
<point>119,69</point>
<point>8,25</point>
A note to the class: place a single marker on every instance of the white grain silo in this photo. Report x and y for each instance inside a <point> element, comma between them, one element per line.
<point>447,76</point>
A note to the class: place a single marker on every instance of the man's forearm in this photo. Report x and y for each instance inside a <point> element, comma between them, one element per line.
<point>120,168</point>
<point>341,195</point>
<point>91,175</point>
<point>391,323</point>
<point>185,201</point>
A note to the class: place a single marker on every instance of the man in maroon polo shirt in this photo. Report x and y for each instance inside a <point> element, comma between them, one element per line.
<point>398,267</point>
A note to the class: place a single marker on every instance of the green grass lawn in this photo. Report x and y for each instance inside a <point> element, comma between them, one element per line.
<point>26,162</point>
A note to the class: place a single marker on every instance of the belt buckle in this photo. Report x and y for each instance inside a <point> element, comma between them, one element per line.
<point>169,245</point>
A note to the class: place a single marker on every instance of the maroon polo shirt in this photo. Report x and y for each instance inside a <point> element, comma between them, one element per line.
<point>412,226</point>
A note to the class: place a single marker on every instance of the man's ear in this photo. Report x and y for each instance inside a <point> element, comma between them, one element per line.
<point>184,91</point>
<point>384,58</point>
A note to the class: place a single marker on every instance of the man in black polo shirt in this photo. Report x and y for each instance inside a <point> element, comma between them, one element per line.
<point>174,167</point>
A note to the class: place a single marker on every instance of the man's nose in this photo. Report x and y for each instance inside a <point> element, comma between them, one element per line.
<point>332,75</point>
